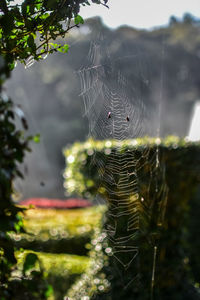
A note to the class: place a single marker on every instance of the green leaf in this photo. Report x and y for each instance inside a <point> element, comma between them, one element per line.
<point>11,66</point>
<point>30,41</point>
<point>65,48</point>
<point>78,20</point>
<point>17,227</point>
<point>54,45</point>
<point>23,7</point>
<point>36,138</point>
<point>49,291</point>
<point>7,23</point>
<point>19,23</point>
<point>44,16</point>
<point>30,262</point>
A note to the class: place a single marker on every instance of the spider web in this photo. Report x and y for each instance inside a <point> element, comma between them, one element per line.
<point>116,111</point>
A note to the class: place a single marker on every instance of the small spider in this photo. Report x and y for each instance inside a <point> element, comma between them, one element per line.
<point>109,115</point>
<point>127,119</point>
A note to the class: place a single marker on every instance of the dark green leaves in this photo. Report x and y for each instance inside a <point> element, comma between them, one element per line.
<point>30,262</point>
<point>31,43</point>
<point>48,18</point>
<point>7,23</point>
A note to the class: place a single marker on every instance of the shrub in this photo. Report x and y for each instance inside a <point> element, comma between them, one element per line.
<point>61,270</point>
<point>58,231</point>
<point>166,172</point>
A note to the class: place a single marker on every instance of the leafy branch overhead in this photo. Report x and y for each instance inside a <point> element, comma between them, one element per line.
<point>28,30</point>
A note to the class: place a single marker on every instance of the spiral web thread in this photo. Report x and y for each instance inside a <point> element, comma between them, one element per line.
<point>116,112</point>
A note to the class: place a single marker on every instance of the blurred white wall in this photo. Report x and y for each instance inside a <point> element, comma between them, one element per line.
<point>194,130</point>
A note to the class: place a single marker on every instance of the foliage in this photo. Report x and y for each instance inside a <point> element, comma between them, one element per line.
<point>29,30</point>
<point>13,147</point>
<point>46,222</point>
<point>61,270</point>
<point>26,32</point>
<point>58,231</point>
<point>44,226</point>
<point>194,242</point>
<point>94,280</point>
<point>81,174</point>
<point>175,275</point>
<point>56,83</point>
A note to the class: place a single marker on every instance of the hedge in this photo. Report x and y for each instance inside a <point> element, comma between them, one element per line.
<point>167,176</point>
<point>61,270</point>
<point>58,231</point>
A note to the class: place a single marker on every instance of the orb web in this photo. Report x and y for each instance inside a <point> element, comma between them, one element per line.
<point>117,112</point>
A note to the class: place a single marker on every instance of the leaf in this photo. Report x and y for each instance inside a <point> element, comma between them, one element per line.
<point>78,20</point>
<point>30,262</point>
<point>44,16</point>
<point>7,23</point>
<point>19,23</point>
<point>30,41</point>
<point>66,48</point>
<point>11,66</point>
<point>24,123</point>
<point>17,227</point>
<point>23,7</point>
<point>36,138</point>
<point>63,49</point>
<point>49,291</point>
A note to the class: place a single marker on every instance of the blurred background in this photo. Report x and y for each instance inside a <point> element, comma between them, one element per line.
<point>161,63</point>
<point>156,46</point>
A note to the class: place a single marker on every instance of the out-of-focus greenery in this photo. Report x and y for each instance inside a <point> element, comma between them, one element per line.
<point>94,280</point>
<point>27,32</point>
<point>143,57</point>
<point>176,176</point>
<point>51,222</point>
<point>60,270</point>
<point>81,174</point>
<point>193,238</point>
<point>12,151</point>
<point>59,231</point>
<point>51,225</point>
